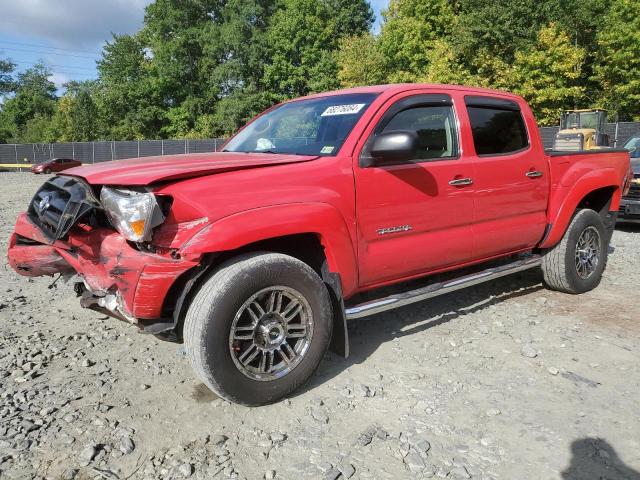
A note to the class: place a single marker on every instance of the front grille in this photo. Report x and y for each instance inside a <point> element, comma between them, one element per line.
<point>59,204</point>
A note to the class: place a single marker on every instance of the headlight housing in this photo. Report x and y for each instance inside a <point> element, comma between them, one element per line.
<point>134,214</point>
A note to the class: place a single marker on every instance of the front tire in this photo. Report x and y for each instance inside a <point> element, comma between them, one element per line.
<point>576,264</point>
<point>258,327</point>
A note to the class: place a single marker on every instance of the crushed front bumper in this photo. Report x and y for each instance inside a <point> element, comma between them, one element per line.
<point>119,278</point>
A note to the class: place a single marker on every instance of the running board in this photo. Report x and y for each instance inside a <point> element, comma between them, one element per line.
<point>436,289</point>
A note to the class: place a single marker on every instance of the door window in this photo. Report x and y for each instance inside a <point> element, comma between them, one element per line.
<point>497,131</point>
<point>435,127</point>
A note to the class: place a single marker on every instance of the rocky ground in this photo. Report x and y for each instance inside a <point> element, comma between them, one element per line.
<point>505,380</point>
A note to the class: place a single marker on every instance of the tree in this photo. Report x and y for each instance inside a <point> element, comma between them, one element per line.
<point>7,84</point>
<point>409,33</point>
<point>444,65</point>
<point>501,27</point>
<point>84,117</point>
<point>236,52</point>
<point>128,97</point>
<point>303,37</point>
<point>34,101</point>
<point>34,95</point>
<point>617,68</point>
<point>547,74</point>
<point>35,130</point>
<point>61,127</point>
<point>173,34</point>
<point>360,61</point>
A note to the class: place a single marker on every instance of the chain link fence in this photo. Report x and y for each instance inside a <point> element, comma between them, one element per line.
<point>25,155</point>
<point>618,133</point>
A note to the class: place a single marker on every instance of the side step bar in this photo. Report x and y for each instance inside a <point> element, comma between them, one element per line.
<point>436,289</point>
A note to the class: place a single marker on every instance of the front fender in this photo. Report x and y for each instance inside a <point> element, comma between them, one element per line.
<point>250,226</point>
<point>567,196</point>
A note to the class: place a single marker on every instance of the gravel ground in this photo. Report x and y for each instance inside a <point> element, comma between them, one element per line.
<point>505,380</point>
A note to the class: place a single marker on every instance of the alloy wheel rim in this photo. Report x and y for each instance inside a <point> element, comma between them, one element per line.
<point>271,333</point>
<point>587,255</point>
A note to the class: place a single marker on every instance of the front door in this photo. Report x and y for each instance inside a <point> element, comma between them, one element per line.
<point>414,216</point>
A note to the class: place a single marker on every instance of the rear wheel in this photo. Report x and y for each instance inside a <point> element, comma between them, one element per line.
<point>576,264</point>
<point>258,327</point>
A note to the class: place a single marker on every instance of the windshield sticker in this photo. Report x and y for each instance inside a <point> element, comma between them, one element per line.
<point>343,110</point>
<point>327,149</point>
<point>264,144</point>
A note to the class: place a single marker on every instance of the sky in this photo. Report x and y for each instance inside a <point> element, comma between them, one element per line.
<point>67,35</point>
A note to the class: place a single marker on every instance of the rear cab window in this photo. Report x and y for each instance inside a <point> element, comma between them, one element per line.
<point>497,126</point>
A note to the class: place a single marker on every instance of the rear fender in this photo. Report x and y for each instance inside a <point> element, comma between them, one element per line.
<point>567,198</point>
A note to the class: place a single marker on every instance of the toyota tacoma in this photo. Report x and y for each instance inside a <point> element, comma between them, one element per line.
<point>324,208</point>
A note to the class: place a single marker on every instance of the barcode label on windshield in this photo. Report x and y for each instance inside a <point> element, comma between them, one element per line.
<point>343,110</point>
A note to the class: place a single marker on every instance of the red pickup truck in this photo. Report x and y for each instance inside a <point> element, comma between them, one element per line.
<point>321,209</point>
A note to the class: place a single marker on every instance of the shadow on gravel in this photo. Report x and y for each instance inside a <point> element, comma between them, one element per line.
<point>202,394</point>
<point>595,459</point>
<point>628,227</point>
<point>367,334</point>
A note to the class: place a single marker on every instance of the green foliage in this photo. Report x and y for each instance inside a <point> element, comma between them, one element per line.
<point>303,38</point>
<point>409,34</point>
<point>360,61</point>
<point>128,99</point>
<point>76,117</point>
<point>7,84</point>
<point>617,69</point>
<point>25,114</point>
<point>445,66</point>
<point>558,54</point>
<point>547,74</point>
<point>202,68</point>
<point>502,27</point>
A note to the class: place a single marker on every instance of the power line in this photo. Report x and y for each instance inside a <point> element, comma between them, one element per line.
<point>75,74</point>
<point>49,53</point>
<point>49,47</point>
<point>47,64</point>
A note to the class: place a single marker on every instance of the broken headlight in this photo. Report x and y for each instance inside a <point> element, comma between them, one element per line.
<point>134,214</point>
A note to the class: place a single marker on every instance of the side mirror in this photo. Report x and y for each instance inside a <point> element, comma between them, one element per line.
<point>395,146</point>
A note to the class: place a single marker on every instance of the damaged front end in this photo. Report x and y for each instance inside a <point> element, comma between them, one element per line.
<point>67,230</point>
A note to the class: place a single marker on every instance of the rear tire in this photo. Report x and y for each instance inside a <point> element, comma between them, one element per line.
<point>247,316</point>
<point>575,265</point>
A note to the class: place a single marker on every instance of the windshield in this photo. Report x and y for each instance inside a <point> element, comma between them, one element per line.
<point>589,120</point>
<point>316,126</point>
<point>632,144</point>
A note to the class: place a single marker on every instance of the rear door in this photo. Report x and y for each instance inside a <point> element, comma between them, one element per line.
<point>511,177</point>
<point>411,218</point>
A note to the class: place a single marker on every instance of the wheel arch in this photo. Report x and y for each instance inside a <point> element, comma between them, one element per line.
<point>278,226</point>
<point>600,193</point>
<point>329,252</point>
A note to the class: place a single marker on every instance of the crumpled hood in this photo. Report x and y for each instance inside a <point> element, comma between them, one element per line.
<point>148,170</point>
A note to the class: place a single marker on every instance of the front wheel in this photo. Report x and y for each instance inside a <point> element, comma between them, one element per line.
<point>47,171</point>
<point>258,327</point>
<point>575,265</point>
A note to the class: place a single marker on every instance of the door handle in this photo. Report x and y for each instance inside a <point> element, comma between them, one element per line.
<point>457,182</point>
<point>534,174</point>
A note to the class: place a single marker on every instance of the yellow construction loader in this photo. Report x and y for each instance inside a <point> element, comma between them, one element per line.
<point>582,130</point>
